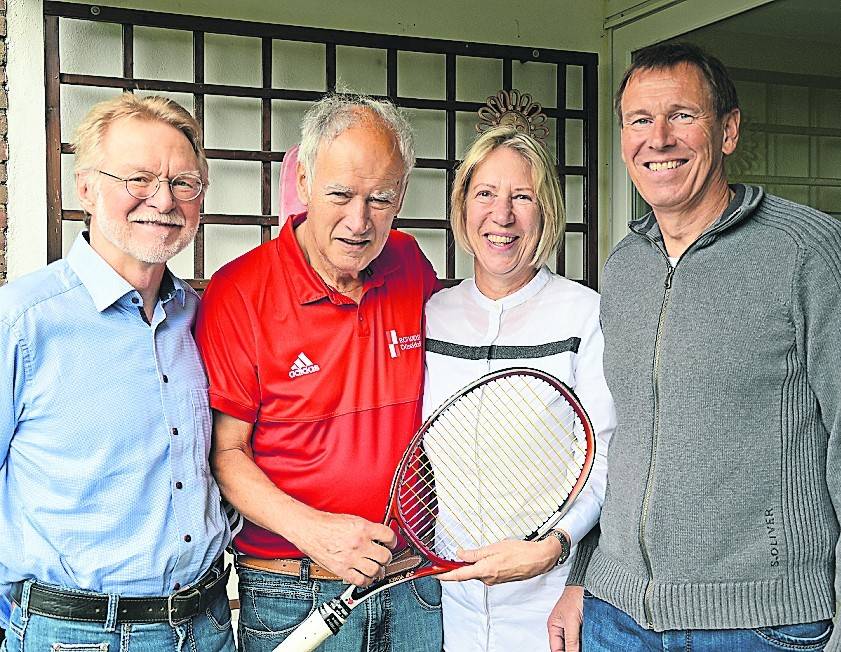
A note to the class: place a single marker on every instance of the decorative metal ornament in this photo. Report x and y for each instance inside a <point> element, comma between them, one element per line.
<point>513,108</point>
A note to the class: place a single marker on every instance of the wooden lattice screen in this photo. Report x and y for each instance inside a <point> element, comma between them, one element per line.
<point>570,77</point>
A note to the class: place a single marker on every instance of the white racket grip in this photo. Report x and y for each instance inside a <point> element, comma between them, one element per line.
<point>308,635</point>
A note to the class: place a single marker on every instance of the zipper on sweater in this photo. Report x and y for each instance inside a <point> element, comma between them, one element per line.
<point>646,499</point>
<point>649,588</point>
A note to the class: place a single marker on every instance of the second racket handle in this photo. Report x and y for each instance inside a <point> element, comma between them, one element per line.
<point>313,631</point>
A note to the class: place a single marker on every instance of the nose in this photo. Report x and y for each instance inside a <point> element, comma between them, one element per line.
<point>502,210</point>
<point>662,135</point>
<point>357,217</point>
<point>162,201</point>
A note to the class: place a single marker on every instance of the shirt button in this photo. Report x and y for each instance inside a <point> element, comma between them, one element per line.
<point>175,431</point>
<point>135,300</point>
<point>164,378</point>
<point>188,538</point>
<point>179,485</point>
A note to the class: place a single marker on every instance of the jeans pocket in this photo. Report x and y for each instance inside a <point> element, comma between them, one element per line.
<point>219,613</point>
<point>427,591</point>
<point>79,647</point>
<point>15,626</point>
<point>806,636</point>
<point>272,605</point>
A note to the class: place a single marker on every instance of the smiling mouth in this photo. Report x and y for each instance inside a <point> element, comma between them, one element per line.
<point>657,166</point>
<point>353,243</point>
<point>157,223</point>
<point>500,240</point>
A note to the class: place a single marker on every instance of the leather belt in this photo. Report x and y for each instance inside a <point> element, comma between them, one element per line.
<point>50,601</point>
<point>291,567</point>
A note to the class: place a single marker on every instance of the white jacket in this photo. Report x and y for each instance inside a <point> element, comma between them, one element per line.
<point>562,318</point>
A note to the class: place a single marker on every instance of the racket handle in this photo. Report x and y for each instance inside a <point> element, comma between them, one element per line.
<point>314,630</point>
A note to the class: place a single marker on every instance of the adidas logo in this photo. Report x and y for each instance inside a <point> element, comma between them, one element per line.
<point>303,366</point>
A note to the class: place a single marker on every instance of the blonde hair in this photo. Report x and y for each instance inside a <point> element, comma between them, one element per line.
<point>87,141</point>
<point>544,176</point>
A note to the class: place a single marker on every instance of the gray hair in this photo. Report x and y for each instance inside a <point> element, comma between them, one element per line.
<point>336,112</point>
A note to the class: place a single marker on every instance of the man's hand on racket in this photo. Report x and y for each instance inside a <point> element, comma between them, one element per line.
<point>349,546</point>
<point>477,433</point>
<point>565,620</point>
<point>506,561</point>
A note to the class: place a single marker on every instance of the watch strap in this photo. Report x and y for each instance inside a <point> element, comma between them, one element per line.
<point>563,540</point>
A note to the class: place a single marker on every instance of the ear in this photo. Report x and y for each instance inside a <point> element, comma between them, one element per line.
<point>730,127</point>
<point>302,184</point>
<point>87,190</point>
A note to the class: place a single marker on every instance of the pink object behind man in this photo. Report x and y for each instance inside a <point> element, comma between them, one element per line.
<point>287,193</point>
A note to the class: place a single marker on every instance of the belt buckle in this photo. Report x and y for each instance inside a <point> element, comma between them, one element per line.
<point>170,607</point>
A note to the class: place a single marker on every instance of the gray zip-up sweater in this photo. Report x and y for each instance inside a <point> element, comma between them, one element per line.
<point>724,474</point>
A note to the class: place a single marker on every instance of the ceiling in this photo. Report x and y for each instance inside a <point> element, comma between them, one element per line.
<point>808,20</point>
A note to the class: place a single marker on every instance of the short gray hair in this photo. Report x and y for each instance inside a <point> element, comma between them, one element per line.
<point>336,112</point>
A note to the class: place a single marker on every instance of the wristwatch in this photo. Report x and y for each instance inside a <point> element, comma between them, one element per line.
<point>563,540</point>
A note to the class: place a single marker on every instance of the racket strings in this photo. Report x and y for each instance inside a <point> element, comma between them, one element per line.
<point>530,444</point>
<point>498,463</point>
<point>523,424</point>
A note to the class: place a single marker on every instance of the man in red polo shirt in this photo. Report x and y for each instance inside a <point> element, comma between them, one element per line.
<point>312,343</point>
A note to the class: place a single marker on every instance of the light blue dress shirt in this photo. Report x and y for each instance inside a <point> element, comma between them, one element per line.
<point>104,435</point>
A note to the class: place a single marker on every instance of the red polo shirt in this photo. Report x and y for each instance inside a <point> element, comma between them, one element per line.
<point>333,388</point>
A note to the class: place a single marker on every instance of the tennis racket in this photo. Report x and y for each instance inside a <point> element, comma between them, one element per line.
<point>504,458</point>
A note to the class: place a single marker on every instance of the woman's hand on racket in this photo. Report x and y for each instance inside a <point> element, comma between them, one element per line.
<point>353,548</point>
<point>506,561</point>
<point>565,620</point>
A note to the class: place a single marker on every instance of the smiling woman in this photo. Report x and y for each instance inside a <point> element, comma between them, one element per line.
<point>507,209</point>
<point>508,212</point>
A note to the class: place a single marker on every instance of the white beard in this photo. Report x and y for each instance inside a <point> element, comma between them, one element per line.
<point>119,233</point>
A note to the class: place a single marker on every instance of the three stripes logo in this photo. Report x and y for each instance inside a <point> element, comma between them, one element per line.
<point>303,366</point>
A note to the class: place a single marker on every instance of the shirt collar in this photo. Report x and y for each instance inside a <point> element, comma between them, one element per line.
<point>308,285</point>
<point>104,284</point>
<point>514,299</point>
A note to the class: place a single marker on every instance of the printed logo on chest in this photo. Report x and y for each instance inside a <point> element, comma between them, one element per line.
<point>398,343</point>
<point>303,366</point>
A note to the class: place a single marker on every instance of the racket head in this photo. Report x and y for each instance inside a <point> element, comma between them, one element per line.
<point>503,458</point>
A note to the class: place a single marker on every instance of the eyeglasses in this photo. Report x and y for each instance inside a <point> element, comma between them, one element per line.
<point>142,185</point>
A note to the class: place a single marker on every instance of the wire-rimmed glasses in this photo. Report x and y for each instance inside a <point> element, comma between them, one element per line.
<point>142,185</point>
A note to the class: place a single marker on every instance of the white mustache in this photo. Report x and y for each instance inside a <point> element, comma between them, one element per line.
<point>157,218</point>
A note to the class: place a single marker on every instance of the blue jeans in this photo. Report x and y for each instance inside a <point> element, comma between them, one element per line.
<point>207,632</point>
<point>403,618</point>
<point>608,629</point>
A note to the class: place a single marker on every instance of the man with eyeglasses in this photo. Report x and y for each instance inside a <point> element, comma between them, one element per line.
<point>111,527</point>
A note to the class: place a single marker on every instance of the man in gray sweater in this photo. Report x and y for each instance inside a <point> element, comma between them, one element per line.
<point>721,313</point>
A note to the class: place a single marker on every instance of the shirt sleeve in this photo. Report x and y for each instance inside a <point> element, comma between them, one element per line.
<point>818,320</point>
<point>12,380</point>
<point>226,341</point>
<point>591,388</point>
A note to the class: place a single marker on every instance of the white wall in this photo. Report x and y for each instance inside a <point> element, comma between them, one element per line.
<point>27,209</point>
